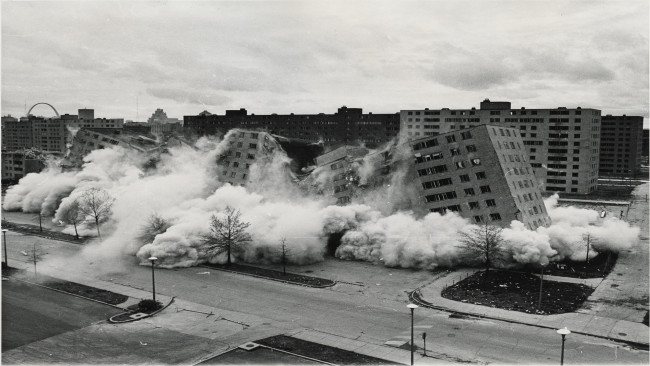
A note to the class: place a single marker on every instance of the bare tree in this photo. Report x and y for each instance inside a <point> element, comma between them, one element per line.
<point>589,241</point>
<point>96,204</point>
<point>34,256</point>
<point>155,225</point>
<point>227,234</point>
<point>284,254</point>
<point>484,244</point>
<point>71,215</point>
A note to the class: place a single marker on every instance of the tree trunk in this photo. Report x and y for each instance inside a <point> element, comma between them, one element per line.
<point>228,253</point>
<point>97,223</point>
<point>40,224</point>
<point>76,234</point>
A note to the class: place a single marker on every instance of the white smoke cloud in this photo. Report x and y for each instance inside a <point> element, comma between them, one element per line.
<point>185,189</point>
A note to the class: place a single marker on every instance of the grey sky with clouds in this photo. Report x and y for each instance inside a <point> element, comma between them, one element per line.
<point>313,56</point>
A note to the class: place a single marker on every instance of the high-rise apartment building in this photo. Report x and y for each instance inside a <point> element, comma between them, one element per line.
<point>621,145</point>
<point>88,139</point>
<point>563,144</point>
<point>482,173</point>
<point>86,114</point>
<point>47,135</point>
<point>346,126</point>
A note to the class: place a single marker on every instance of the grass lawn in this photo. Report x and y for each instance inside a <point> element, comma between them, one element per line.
<point>519,292</point>
<point>598,267</point>
<point>273,274</point>
<point>320,352</point>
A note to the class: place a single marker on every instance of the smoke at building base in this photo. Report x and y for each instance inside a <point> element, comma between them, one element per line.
<point>185,188</point>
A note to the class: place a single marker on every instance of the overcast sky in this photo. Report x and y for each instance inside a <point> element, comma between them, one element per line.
<point>125,58</point>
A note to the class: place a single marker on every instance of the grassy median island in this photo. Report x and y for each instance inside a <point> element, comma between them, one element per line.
<point>273,274</point>
<point>597,267</point>
<point>320,352</point>
<point>519,292</point>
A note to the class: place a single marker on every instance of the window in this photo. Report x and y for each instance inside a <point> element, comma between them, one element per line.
<point>476,162</point>
<point>490,203</point>
<point>441,196</point>
<point>437,183</point>
<point>454,152</point>
<point>481,175</point>
<point>464,178</point>
<point>232,174</point>
<point>495,216</point>
<point>250,156</point>
<point>240,144</point>
<point>238,154</point>
<point>469,191</point>
<point>451,138</point>
<point>478,219</point>
<point>252,146</point>
<point>235,164</point>
<point>485,189</point>
<point>253,135</point>
<point>474,205</point>
<point>460,164</point>
<point>432,170</point>
<point>466,135</point>
<point>471,148</point>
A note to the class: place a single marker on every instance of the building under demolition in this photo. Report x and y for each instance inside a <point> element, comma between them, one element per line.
<point>482,173</point>
<point>562,144</point>
<point>88,139</point>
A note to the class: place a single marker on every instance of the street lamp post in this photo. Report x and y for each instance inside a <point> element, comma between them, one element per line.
<point>412,307</point>
<point>563,332</point>
<point>153,279</point>
<point>4,240</point>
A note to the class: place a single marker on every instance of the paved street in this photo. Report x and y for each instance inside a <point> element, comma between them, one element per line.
<point>369,308</point>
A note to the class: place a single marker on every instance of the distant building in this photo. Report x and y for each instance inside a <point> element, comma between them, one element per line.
<point>97,123</point>
<point>89,139</point>
<point>482,173</point>
<point>346,126</point>
<point>17,164</point>
<point>562,144</point>
<point>159,116</point>
<point>621,145</point>
<point>45,134</point>
<point>137,127</point>
<point>86,114</point>
<point>644,147</point>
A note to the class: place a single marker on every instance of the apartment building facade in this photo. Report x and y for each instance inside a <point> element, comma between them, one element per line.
<point>245,147</point>
<point>44,134</point>
<point>621,146</point>
<point>563,145</point>
<point>482,173</point>
<point>346,126</point>
<point>88,139</point>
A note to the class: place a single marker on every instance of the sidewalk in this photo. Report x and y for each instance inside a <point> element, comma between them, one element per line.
<point>588,324</point>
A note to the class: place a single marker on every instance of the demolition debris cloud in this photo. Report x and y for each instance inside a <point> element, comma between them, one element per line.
<point>185,189</point>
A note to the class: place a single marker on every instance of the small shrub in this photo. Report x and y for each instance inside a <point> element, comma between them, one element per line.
<point>148,306</point>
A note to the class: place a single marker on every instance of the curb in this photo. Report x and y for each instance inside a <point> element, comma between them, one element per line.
<point>269,278</point>
<point>69,293</point>
<point>110,320</point>
<point>41,235</point>
<point>414,296</point>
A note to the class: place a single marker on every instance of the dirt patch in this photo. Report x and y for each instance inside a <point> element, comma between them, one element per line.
<point>273,274</point>
<point>597,267</point>
<point>519,292</point>
<point>45,233</point>
<point>74,288</point>
<point>321,352</point>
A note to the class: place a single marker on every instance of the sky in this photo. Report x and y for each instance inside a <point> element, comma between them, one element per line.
<point>126,58</point>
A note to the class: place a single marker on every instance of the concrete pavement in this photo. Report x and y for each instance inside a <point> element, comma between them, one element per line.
<point>614,311</point>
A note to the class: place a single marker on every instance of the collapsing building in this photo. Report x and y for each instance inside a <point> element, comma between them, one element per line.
<point>89,139</point>
<point>481,173</point>
<point>246,147</point>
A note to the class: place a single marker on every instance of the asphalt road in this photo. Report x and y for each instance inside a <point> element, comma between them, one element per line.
<point>371,310</point>
<point>31,313</point>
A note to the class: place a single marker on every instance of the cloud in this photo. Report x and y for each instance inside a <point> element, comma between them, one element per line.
<point>466,70</point>
<point>182,95</point>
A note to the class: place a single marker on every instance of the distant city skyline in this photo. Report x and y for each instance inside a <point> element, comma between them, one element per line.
<point>126,59</point>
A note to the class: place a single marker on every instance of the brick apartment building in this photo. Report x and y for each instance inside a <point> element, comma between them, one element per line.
<point>621,146</point>
<point>482,173</point>
<point>346,126</point>
<point>562,144</point>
